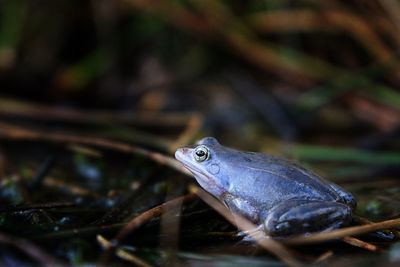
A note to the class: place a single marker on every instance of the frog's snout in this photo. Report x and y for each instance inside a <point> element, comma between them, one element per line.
<point>181,153</point>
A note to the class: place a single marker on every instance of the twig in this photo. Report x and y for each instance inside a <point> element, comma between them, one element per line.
<point>16,108</point>
<point>270,59</point>
<point>72,189</point>
<point>323,257</point>
<point>235,35</point>
<point>85,150</point>
<point>265,55</point>
<point>243,224</point>
<point>127,227</point>
<point>340,233</point>
<point>385,26</point>
<point>307,20</point>
<point>359,243</point>
<point>149,214</point>
<point>393,9</point>
<point>122,253</point>
<point>141,219</point>
<point>30,249</point>
<point>63,186</point>
<point>170,222</point>
<point>10,131</point>
<point>383,117</point>
<point>102,119</point>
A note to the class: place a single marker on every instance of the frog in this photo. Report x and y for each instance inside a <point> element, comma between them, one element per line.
<point>279,196</point>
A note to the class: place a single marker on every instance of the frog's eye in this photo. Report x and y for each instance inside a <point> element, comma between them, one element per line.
<point>201,153</point>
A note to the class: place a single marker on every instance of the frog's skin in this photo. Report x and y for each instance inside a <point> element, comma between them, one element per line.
<point>278,195</point>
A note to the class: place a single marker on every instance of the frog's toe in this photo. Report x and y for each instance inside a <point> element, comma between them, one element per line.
<point>281,226</point>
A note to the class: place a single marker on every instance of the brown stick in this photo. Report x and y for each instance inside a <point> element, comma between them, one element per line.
<point>9,131</point>
<point>11,107</point>
<point>139,220</point>
<point>359,243</point>
<point>149,214</point>
<point>323,257</point>
<point>308,20</point>
<point>340,233</point>
<point>122,253</point>
<point>270,245</point>
<point>247,46</point>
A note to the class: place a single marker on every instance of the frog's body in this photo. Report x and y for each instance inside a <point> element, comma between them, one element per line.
<point>272,192</point>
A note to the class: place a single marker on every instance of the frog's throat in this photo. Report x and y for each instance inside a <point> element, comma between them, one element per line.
<point>197,173</point>
<point>205,181</point>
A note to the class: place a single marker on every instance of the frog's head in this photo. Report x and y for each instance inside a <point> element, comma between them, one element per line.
<point>204,161</point>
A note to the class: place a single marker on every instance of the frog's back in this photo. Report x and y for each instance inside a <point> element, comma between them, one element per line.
<point>271,179</point>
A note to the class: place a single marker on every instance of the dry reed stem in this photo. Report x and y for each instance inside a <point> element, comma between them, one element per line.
<point>331,20</point>
<point>9,131</point>
<point>122,253</point>
<point>10,107</point>
<point>323,257</point>
<point>234,34</point>
<point>359,243</point>
<point>149,214</point>
<point>139,220</point>
<point>274,247</point>
<point>344,232</point>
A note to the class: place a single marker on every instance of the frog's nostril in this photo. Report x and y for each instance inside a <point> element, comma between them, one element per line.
<point>186,151</point>
<point>181,153</point>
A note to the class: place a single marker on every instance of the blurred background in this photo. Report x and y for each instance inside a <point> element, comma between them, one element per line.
<point>314,81</point>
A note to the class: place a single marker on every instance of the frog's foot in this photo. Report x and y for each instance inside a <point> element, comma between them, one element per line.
<point>294,217</point>
<point>346,197</point>
<point>383,235</point>
<point>251,235</point>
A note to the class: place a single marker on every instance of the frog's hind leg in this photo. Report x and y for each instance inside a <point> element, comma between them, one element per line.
<point>295,217</point>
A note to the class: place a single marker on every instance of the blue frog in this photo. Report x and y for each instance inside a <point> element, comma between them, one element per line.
<point>279,196</point>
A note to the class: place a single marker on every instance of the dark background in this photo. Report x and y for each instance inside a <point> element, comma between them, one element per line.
<point>314,81</point>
